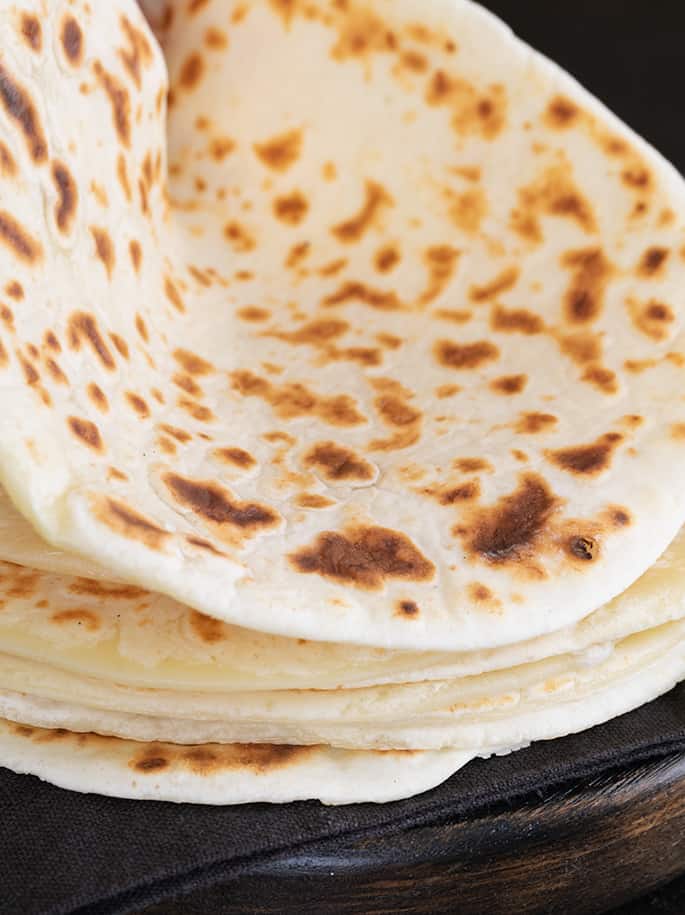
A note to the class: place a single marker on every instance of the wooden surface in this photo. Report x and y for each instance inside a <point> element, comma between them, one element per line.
<point>584,850</point>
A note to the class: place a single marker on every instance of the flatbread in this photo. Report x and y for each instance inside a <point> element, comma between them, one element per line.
<point>218,775</point>
<point>110,631</point>
<point>402,330</point>
<point>506,708</point>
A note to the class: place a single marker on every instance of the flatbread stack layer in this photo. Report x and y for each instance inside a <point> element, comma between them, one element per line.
<point>341,414</point>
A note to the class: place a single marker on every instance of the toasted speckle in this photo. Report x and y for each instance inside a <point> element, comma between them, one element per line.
<point>338,463</point>
<point>587,460</point>
<point>217,506</point>
<point>14,236</point>
<point>280,152</point>
<point>535,423</point>
<point>235,457</point>
<point>464,356</point>
<point>291,208</point>
<point>71,37</point>
<point>364,557</point>
<point>20,108</point>
<point>87,432</point>
<point>354,229</point>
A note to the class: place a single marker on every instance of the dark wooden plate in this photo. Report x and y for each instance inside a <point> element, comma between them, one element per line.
<point>582,850</point>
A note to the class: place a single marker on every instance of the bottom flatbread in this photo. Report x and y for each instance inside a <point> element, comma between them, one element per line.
<point>221,774</point>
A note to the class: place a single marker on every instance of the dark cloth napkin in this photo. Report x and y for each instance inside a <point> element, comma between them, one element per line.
<point>62,852</point>
<point>70,853</point>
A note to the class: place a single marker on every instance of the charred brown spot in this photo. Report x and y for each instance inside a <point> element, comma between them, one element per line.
<point>174,296</point>
<point>466,492</point>
<point>441,262</point>
<point>584,548</point>
<point>408,608</point>
<point>119,100</point>
<point>313,500</point>
<point>191,72</point>
<point>120,344</point>
<point>192,363</point>
<point>241,239</point>
<point>619,517</point>
<point>554,193</point>
<point>353,291</point>
<point>587,460</point>
<point>8,167</point>
<point>87,432</point>
<point>83,327</point>
<point>179,434</point>
<point>293,400</point>
<point>516,320</point>
<point>67,191</point>
<point>104,248</point>
<point>124,520</point>
<point>394,411</point>
<point>122,175</point>
<point>637,177</point>
<point>71,37</point>
<point>534,423</point>
<point>20,108</point>
<point>473,112</point>
<point>653,319</point>
<point>97,396</point>
<point>338,463</point>
<point>678,432</point>
<point>136,254</point>
<point>32,32</point>
<point>237,457</point>
<point>601,378</point>
<point>386,259</point>
<point>315,333</point>
<point>15,237</point>
<point>207,628</point>
<point>364,557</point>
<point>56,372</point>
<point>215,39</point>
<point>503,282</point>
<point>253,314</point>
<point>280,152</point>
<point>561,113</point>
<point>482,595</point>
<point>221,147</point>
<point>15,290</point>
<point>216,505</point>
<point>511,529</point>
<point>581,347</point>
<point>652,262</point>
<point>291,208</point>
<point>151,764</point>
<point>584,297</point>
<point>84,618</point>
<point>354,229</point>
<point>465,356</point>
<point>509,384</point>
<point>137,54</point>
<point>137,403</point>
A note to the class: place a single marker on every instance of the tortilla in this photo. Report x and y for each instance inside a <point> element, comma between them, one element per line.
<point>354,355</point>
<point>219,775</point>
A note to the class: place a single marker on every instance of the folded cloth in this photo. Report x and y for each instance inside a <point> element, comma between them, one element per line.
<point>63,852</point>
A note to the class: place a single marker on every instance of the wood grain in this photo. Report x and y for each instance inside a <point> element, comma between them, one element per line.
<point>581,850</point>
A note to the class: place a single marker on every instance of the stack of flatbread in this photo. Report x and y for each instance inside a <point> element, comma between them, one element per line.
<point>342,399</point>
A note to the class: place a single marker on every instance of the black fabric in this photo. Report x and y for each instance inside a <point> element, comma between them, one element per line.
<point>69,853</point>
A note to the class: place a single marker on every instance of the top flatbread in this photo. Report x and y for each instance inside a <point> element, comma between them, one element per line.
<point>395,355</point>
